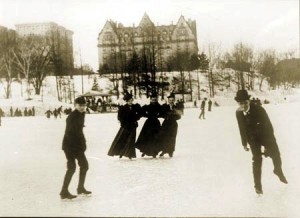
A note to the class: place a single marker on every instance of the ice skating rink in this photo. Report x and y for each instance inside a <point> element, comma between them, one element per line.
<point>210,174</point>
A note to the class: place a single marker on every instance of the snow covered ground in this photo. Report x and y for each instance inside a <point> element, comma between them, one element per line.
<point>209,175</point>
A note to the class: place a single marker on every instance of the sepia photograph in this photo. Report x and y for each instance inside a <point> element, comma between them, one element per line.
<point>149,108</point>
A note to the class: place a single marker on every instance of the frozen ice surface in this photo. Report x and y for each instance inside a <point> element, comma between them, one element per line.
<point>209,175</point>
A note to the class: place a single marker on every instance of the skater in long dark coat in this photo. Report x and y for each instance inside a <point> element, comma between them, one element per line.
<point>147,140</point>
<point>168,132</point>
<point>74,146</point>
<point>257,131</point>
<point>209,105</point>
<point>124,142</point>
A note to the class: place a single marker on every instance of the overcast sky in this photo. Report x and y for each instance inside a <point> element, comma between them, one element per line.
<point>260,23</point>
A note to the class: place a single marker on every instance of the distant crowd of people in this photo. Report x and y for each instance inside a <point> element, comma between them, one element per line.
<point>57,112</point>
<point>99,104</point>
<point>18,112</point>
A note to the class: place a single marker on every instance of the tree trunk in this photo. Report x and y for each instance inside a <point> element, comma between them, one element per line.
<point>182,84</point>
<point>242,79</point>
<point>37,87</point>
<point>260,83</point>
<point>212,84</point>
<point>191,87</point>
<point>134,84</point>
<point>198,83</point>
<point>57,88</point>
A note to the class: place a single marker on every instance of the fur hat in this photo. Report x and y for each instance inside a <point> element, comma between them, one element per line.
<point>153,94</point>
<point>80,100</point>
<point>172,95</point>
<point>242,95</point>
<point>127,96</point>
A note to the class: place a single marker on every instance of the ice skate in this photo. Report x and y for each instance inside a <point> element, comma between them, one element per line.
<point>281,176</point>
<point>259,191</point>
<point>67,195</point>
<point>83,191</point>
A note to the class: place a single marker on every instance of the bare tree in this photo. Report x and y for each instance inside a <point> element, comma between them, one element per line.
<point>7,58</point>
<point>240,60</point>
<point>40,67</point>
<point>214,52</point>
<point>265,64</point>
<point>24,55</point>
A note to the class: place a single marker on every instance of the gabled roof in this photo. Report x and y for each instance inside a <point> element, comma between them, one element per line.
<point>146,21</point>
<point>109,23</point>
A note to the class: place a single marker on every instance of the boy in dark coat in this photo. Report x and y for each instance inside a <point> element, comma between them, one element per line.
<point>74,146</point>
<point>257,131</point>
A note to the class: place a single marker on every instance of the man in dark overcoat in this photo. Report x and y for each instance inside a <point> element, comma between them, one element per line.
<point>167,137</point>
<point>74,146</point>
<point>257,131</point>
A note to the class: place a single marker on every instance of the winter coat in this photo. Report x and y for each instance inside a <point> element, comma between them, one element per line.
<point>147,140</point>
<point>124,142</point>
<point>129,115</point>
<point>255,127</point>
<point>168,132</point>
<point>74,140</point>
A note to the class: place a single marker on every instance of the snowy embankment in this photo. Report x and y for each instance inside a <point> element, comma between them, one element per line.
<point>209,175</point>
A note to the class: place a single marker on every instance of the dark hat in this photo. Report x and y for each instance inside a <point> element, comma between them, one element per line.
<point>127,96</point>
<point>80,100</point>
<point>172,95</point>
<point>242,95</point>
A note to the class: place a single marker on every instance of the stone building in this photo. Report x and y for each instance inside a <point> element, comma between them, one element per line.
<point>155,42</point>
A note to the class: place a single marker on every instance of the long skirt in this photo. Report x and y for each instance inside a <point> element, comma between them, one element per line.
<point>167,136</point>
<point>147,140</point>
<point>124,143</point>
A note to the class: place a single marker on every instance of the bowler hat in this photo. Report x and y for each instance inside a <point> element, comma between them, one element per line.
<point>127,96</point>
<point>242,95</point>
<point>80,100</point>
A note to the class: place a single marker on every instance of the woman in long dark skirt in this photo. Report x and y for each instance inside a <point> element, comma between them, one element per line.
<point>147,140</point>
<point>124,142</point>
<point>168,133</point>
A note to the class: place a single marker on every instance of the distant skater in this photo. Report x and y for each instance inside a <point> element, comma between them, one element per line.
<point>74,146</point>
<point>202,107</point>
<point>48,114</point>
<point>257,131</point>
<point>124,142</point>
<point>209,105</point>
